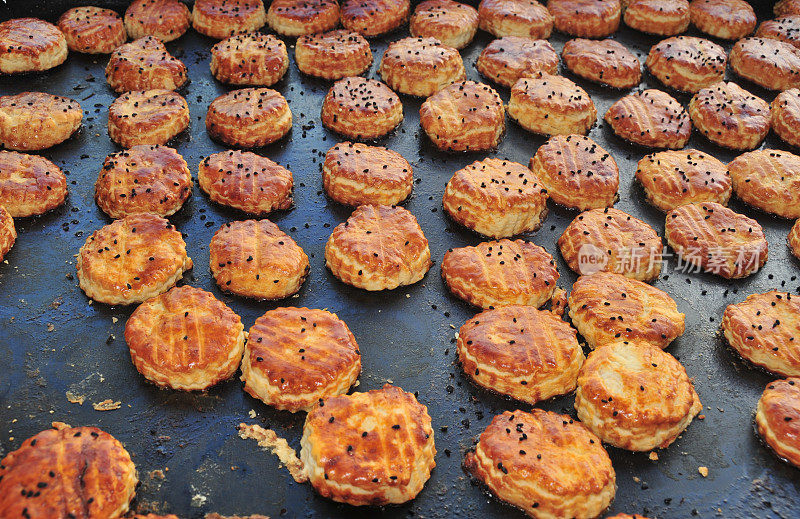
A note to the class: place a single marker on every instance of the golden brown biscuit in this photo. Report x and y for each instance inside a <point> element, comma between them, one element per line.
<point>132,259</point>
<point>650,118</point>
<point>793,239</point>
<point>379,247</point>
<point>545,464</point>
<point>30,184</point>
<point>371,448</point>
<point>299,17</point>
<point>726,19</point>
<point>8,233</point>
<point>372,18</point>
<point>635,396</point>
<point>661,17</point>
<point>576,172</point>
<point>249,117</point>
<point>356,174</point>
<point>526,18</point>
<point>730,116</point>
<point>71,472</point>
<point>465,116</point>
<point>167,20</point>
<point>522,352</point>
<point>36,121</point>
<point>778,418</point>
<point>420,66</point>
<point>30,44</point>
<point>786,7</point>
<point>254,258</point>
<point>673,178</point>
<point>551,105</point>
<point>92,30</point>
<point>687,63</point>
<point>361,108</point>
<point>296,357</point>
<point>223,18</point>
<point>147,117</point>
<point>452,23</point>
<point>509,58</point>
<point>770,63</point>
<point>246,181</point>
<point>501,273</point>
<point>249,59</point>
<point>607,62</point>
<point>496,198</point>
<point>586,18</point>
<point>185,339</point>
<point>785,116</point>
<point>332,55</point>
<point>785,28</point>
<point>144,64</point>
<point>144,179</point>
<point>710,236</point>
<point>769,180</point>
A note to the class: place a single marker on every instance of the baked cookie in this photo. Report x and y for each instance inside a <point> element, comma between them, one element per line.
<point>30,184</point>
<point>501,273</point>
<point>730,116</point>
<point>372,18</point>
<point>144,179</point>
<point>249,59</point>
<point>361,109</point>
<point>300,17</point>
<point>332,55</point>
<point>793,239</point>
<point>607,62</point>
<point>712,237</point>
<point>254,258</point>
<point>8,233</point>
<point>465,116</point>
<point>92,30</point>
<point>726,19</point>
<point>356,174</point>
<point>246,181</point>
<point>778,418</point>
<point>660,17</point>
<point>420,66</point>
<point>144,64</point>
<point>586,18</point>
<point>785,28</point>
<point>786,7</point>
<point>132,259</point>
<point>185,339</point>
<point>509,58</point>
<point>548,465</point>
<point>687,63</point>
<point>673,178</point>
<point>785,116</point>
<point>551,105</point>
<point>166,20</point>
<point>30,44</point>
<point>527,18</point>
<point>650,118</point>
<point>249,117</point>
<point>223,18</point>
<point>36,121</point>
<point>296,357</point>
<point>577,172</point>
<point>496,198</point>
<point>452,23</point>
<point>769,180</point>
<point>379,247</point>
<point>773,64</point>
<point>147,117</point>
<point>372,448</point>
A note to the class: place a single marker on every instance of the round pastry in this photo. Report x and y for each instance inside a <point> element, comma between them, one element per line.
<point>372,18</point>
<point>30,184</point>
<point>361,108</point>
<point>607,62</point>
<point>501,273</point>
<point>786,29</point>
<point>509,58</point>
<point>726,19</point>
<point>372,448</point>
<point>356,174</point>
<point>687,63</point>
<point>132,259</point>
<point>144,64</point>
<point>379,247</point>
<point>635,396</point>
<point>661,17</point>
<point>223,18</point>
<point>551,105</point>
<point>769,180</point>
<point>249,117</point>
<point>8,233</point>
<point>710,236</point>
<point>300,17</point>
<point>786,7</point>
<point>92,30</point>
<point>586,18</point>
<point>185,339</point>
<point>730,116</point>
<point>650,118</point>
<point>785,116</point>
<point>527,18</point>
<point>296,357</point>
<point>793,239</point>
<point>420,66</point>
<point>496,198</point>
<point>548,465</point>
<point>51,469</point>
<point>30,44</point>
<point>522,352</point>
<point>249,59</point>
<point>246,181</point>
<point>36,121</point>
<point>778,418</point>
<point>254,258</point>
<point>167,20</point>
<point>147,117</point>
<point>673,178</point>
<point>576,172</point>
<point>144,179</point>
<point>450,22</point>
<point>773,64</point>
<point>465,116</point>
<point>332,55</point>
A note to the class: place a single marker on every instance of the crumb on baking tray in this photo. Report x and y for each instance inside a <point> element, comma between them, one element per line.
<point>280,447</point>
<point>107,405</point>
